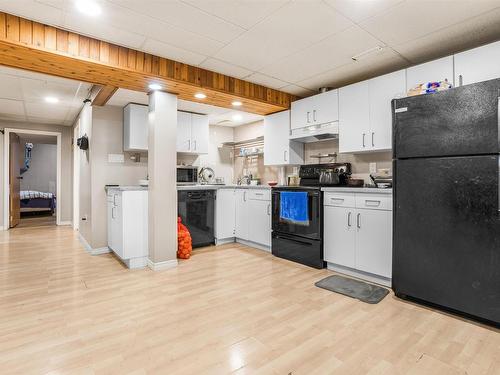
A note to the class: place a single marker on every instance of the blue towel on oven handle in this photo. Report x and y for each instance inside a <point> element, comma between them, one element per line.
<point>294,206</point>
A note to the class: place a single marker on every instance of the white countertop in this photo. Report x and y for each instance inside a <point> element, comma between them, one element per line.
<point>215,187</point>
<point>356,190</point>
<point>126,187</point>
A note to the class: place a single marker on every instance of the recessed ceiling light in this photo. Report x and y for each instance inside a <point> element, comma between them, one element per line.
<point>88,7</point>
<point>155,86</point>
<point>237,117</point>
<point>51,99</point>
<point>237,103</point>
<point>200,95</point>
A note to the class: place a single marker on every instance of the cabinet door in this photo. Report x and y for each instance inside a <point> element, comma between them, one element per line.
<point>276,133</point>
<point>199,134</point>
<point>241,220</point>
<point>184,132</point>
<point>374,242</point>
<point>354,118</point>
<point>117,226</point>
<point>339,236</point>
<point>260,218</point>
<point>477,65</point>
<point>301,113</point>
<point>110,221</point>
<point>225,213</point>
<point>382,90</point>
<point>135,127</point>
<point>325,107</point>
<point>432,71</point>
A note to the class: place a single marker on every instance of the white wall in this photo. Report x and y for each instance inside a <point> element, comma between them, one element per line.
<point>42,173</point>
<point>66,202</point>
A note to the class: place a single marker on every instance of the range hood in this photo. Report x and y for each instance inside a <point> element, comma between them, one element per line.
<point>316,133</point>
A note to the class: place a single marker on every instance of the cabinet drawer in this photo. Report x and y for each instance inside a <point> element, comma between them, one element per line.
<point>374,201</point>
<point>339,199</point>
<point>259,195</point>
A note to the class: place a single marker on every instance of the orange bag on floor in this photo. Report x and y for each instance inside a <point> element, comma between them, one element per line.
<point>184,242</point>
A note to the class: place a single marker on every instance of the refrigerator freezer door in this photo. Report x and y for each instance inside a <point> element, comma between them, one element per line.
<point>447,233</point>
<point>461,121</point>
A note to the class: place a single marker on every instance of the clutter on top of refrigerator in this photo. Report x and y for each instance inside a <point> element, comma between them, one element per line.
<point>429,88</point>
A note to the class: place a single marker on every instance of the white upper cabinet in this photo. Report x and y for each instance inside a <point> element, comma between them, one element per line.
<point>382,90</point>
<point>192,133</point>
<point>478,64</point>
<point>135,127</point>
<point>432,71</point>
<point>315,110</point>
<point>354,117</point>
<point>365,118</point>
<point>278,149</point>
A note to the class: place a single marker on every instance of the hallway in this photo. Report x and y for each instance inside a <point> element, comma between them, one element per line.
<point>230,309</point>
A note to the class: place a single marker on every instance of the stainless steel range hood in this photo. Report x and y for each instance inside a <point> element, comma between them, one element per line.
<point>316,133</point>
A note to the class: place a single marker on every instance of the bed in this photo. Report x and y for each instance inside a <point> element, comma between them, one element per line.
<point>37,201</point>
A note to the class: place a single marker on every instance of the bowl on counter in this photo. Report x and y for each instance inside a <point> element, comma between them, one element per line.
<point>272,183</point>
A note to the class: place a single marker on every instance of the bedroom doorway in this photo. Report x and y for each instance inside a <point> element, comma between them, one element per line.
<point>32,178</point>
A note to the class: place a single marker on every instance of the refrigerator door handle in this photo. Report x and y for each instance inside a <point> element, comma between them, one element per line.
<point>364,139</point>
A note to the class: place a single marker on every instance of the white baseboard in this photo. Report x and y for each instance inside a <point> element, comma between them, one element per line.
<point>90,250</point>
<point>360,274</point>
<point>3,228</point>
<point>254,245</point>
<point>65,223</point>
<point>223,241</point>
<point>159,266</point>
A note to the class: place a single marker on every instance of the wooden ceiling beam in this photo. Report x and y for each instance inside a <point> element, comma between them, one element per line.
<point>103,95</point>
<point>45,49</point>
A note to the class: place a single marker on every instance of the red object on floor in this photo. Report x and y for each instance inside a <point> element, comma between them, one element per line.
<point>184,242</point>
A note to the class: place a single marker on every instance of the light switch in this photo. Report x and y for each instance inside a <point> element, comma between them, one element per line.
<point>116,158</point>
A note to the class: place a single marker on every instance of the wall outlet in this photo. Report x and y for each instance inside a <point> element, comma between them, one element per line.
<point>116,158</point>
<point>373,168</point>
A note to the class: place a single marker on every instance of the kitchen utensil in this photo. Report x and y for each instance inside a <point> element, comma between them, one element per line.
<point>206,175</point>
<point>329,177</point>
<point>355,182</point>
<point>293,180</point>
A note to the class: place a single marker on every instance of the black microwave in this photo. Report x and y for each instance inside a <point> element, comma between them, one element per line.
<point>187,175</point>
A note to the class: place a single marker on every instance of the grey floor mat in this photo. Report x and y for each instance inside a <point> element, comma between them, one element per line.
<point>365,292</point>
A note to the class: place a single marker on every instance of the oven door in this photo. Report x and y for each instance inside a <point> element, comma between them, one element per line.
<point>310,229</point>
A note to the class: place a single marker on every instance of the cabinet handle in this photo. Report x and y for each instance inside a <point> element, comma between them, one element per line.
<point>308,121</point>
<point>335,200</point>
<point>314,115</point>
<point>244,196</point>
<point>189,144</point>
<point>112,212</point>
<point>373,143</point>
<point>259,194</point>
<point>284,155</point>
<point>364,139</point>
<point>358,221</point>
<point>372,203</point>
<point>460,80</point>
<point>114,199</point>
<point>349,219</point>
<point>268,210</point>
<point>194,142</point>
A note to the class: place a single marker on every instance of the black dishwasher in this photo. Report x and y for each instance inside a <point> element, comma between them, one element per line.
<point>197,211</point>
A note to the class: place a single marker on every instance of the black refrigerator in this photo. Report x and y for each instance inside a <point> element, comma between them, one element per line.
<point>446,245</point>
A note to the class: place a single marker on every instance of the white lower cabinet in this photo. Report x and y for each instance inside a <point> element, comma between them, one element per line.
<point>358,234</point>
<point>128,226</point>
<point>243,214</point>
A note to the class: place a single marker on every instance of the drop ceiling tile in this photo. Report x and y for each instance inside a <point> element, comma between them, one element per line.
<point>227,118</point>
<point>413,19</point>
<point>47,111</point>
<point>185,16</point>
<point>33,10</point>
<point>334,51</point>
<point>35,90</point>
<point>96,28</point>
<point>358,10</point>
<point>45,120</point>
<point>244,13</point>
<point>267,81</point>
<point>122,97</point>
<point>172,52</point>
<point>225,68</point>
<point>465,35</point>
<point>298,91</point>
<point>10,87</point>
<point>188,106</point>
<point>384,62</point>
<point>292,28</point>
<point>12,107</point>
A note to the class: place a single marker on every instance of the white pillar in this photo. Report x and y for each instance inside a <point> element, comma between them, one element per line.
<point>162,196</point>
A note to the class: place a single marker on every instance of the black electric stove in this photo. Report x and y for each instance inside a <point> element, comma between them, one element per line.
<point>302,241</point>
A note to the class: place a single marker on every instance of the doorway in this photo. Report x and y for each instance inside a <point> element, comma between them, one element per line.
<point>32,178</point>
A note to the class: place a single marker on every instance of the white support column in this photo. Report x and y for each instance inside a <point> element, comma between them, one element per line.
<point>162,196</point>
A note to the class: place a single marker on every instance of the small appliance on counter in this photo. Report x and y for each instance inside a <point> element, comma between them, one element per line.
<point>382,181</point>
<point>187,175</point>
<point>297,234</point>
<point>206,176</point>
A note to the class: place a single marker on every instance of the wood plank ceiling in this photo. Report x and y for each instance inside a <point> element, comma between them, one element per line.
<point>45,49</point>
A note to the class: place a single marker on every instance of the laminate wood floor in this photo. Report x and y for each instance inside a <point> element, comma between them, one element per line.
<point>229,309</point>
